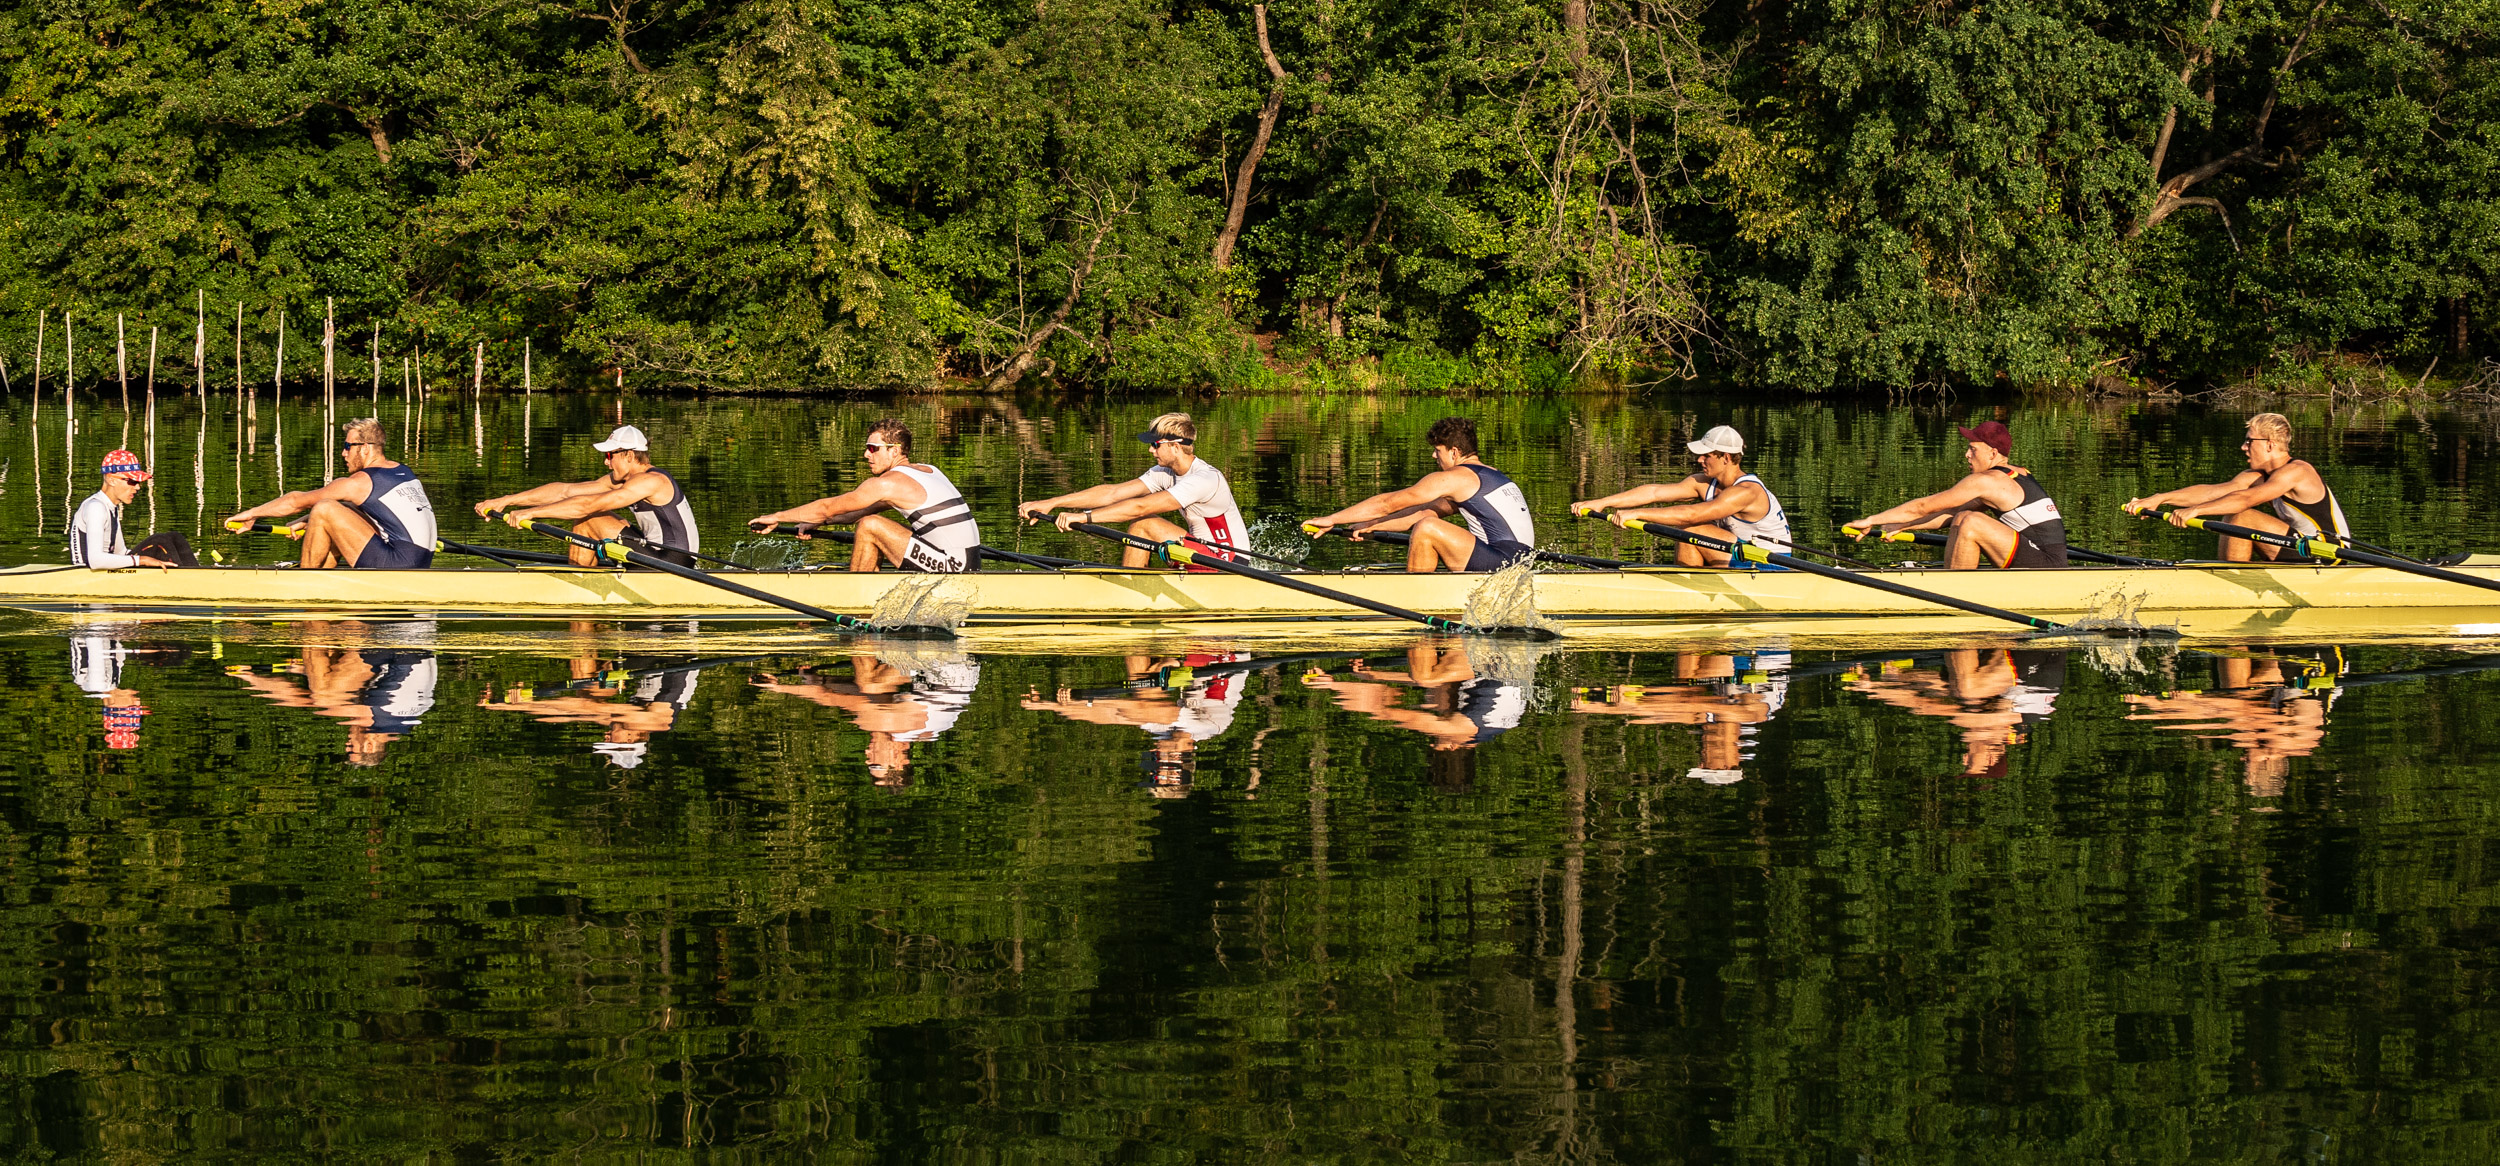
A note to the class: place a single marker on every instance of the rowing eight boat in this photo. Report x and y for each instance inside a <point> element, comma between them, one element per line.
<point>1099,596</point>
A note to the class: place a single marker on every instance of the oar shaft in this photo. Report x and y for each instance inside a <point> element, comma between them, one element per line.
<point>620,552</point>
<point>1399,538</point>
<point>846,538</point>
<point>2325,549</point>
<point>1812,568</point>
<point>1930,538</point>
<point>1181,554</point>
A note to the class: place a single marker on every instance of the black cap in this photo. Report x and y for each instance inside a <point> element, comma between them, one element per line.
<point>1150,437</point>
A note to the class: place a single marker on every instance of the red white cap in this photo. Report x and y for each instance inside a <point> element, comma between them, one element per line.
<point>125,463</point>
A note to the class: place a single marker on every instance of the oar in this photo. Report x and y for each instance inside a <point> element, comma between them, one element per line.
<point>504,555</point>
<point>1182,554</point>
<point>847,538</point>
<point>1930,538</point>
<point>2326,549</point>
<point>1399,538</point>
<point>1793,545</point>
<point>264,526</point>
<point>1183,675</point>
<point>619,552</point>
<point>1757,554</point>
<point>618,677</point>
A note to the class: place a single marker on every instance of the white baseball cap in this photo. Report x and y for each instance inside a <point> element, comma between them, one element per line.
<point>1716,776</point>
<point>623,755</point>
<point>1720,439</point>
<point>628,437</point>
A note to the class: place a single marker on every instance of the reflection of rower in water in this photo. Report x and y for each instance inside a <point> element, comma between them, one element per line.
<point>1992,695</point>
<point>1457,711</point>
<point>661,688</point>
<point>1737,696</point>
<point>380,693</point>
<point>897,709</point>
<point>2258,708</point>
<point>1203,711</point>
<point>95,663</point>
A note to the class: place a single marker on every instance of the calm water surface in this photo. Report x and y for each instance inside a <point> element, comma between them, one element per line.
<point>624,890</point>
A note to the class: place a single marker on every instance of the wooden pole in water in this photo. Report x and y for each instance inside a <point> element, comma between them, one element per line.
<point>239,403</point>
<point>529,400</point>
<point>69,414</point>
<point>151,463</point>
<point>121,368</point>
<point>477,404</point>
<point>329,381</point>
<point>199,350</point>
<point>40,318</point>
<point>377,366</point>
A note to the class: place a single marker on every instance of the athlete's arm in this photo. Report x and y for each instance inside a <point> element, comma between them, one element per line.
<point>352,489</point>
<point>1734,500</point>
<point>639,488</point>
<point>1121,511</point>
<point>1972,490</point>
<point>1649,495</point>
<point>2193,495</point>
<point>2253,494</point>
<point>1089,498</point>
<point>1449,487</point>
<point>880,492</point>
<point>548,494</point>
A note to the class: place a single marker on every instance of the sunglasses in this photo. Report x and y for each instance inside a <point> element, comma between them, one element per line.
<point>874,446</point>
<point>350,447</point>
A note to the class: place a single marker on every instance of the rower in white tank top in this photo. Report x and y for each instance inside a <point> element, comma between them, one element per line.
<point>1771,532</point>
<point>943,533</point>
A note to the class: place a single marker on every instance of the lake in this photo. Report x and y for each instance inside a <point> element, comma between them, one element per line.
<point>602,890</point>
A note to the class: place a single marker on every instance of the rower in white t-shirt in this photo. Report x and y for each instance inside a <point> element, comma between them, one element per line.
<point>1178,481</point>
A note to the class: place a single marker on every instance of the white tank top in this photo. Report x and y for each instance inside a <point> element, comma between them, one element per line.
<point>1771,532</point>
<point>943,519</point>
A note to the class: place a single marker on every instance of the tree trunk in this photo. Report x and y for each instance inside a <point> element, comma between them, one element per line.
<point>2456,324</point>
<point>1027,354</point>
<point>2172,193</point>
<point>1240,209</point>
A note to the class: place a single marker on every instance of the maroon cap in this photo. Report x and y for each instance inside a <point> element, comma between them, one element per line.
<point>1990,432</point>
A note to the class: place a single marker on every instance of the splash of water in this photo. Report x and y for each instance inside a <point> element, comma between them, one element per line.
<point>2116,610</point>
<point>1512,661</point>
<point>1279,536</point>
<point>1507,599</point>
<point>924,656</point>
<point>768,554</point>
<point>937,601</point>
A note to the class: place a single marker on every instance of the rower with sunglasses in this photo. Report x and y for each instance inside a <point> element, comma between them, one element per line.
<point>1177,481</point>
<point>376,516</point>
<point>661,515</point>
<point>941,537</point>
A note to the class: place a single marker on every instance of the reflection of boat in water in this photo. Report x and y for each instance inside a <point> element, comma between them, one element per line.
<point>1181,705</point>
<point>381,692</point>
<point>2205,599</point>
<point>1992,695</point>
<point>896,706</point>
<point>2261,704</point>
<point>1729,696</point>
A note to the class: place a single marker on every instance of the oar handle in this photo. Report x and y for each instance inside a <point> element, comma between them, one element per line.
<point>1757,554</point>
<point>1180,553</point>
<point>264,526</point>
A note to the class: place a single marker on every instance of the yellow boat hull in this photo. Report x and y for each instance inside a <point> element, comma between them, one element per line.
<point>2199,596</point>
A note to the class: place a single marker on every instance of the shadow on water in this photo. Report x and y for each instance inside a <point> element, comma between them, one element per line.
<point>606,888</point>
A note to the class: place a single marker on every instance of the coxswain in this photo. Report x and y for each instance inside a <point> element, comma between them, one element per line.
<point>2294,499</point>
<point>1998,509</point>
<point>375,516</point>
<point>1724,503</point>
<point>663,519</point>
<point>1498,531</point>
<point>1178,481</point>
<point>941,537</point>
<point>95,534</point>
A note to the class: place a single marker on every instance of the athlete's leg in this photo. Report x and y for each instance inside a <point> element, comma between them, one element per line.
<point>1431,545</point>
<point>2237,550</point>
<point>602,526</point>
<point>1972,534</point>
<point>878,540</point>
<point>1688,555</point>
<point>334,534</point>
<point>1158,529</point>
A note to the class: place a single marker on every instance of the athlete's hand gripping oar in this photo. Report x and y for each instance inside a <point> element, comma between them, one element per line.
<point>1186,555</point>
<point>619,552</point>
<point>1759,555</point>
<point>264,526</point>
<point>1931,538</point>
<point>2324,549</point>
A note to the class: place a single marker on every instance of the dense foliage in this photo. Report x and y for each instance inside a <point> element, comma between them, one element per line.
<point>794,193</point>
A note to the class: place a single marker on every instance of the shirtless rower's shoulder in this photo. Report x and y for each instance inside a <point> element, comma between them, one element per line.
<point>937,534</point>
<point>662,518</point>
<point>375,516</point>
<point>1998,510</point>
<point>2277,493</point>
<point>1498,530</point>
<point>1179,482</point>
<point>1721,500</point>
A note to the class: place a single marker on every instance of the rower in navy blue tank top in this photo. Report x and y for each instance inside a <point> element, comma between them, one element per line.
<point>1498,530</point>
